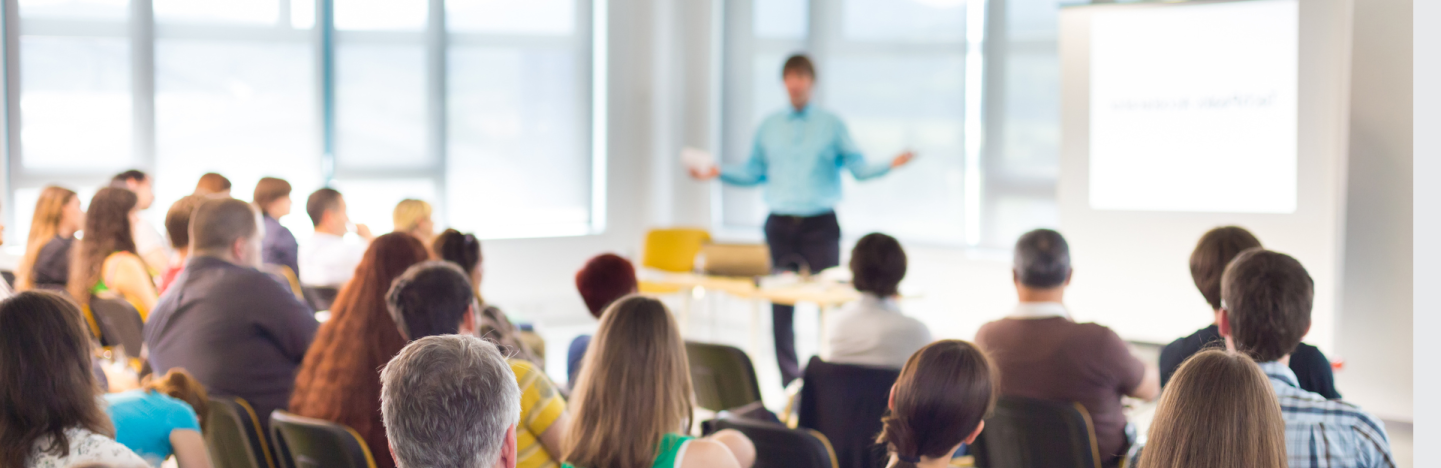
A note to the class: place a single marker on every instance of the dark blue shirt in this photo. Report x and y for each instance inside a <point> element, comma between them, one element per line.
<point>279,246</point>
<point>1310,367</point>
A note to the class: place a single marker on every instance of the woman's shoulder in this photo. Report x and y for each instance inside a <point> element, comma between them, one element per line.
<point>691,452</point>
<point>125,258</point>
<point>85,446</point>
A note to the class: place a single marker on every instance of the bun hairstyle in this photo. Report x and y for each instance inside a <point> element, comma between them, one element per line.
<point>180,385</point>
<point>943,393</point>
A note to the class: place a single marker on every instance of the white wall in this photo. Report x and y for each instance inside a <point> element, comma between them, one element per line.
<point>1427,218</point>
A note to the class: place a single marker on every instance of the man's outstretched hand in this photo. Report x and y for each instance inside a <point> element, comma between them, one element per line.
<point>706,174</point>
<point>902,159</point>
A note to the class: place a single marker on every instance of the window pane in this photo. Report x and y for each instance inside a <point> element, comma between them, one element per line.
<point>1009,216</point>
<point>75,103</point>
<point>372,202</point>
<point>511,16</point>
<point>1032,19</point>
<point>519,147</point>
<point>1032,115</point>
<point>380,106</point>
<point>265,12</point>
<point>91,10</point>
<point>377,15</point>
<point>780,19</point>
<point>906,20</point>
<point>302,14</point>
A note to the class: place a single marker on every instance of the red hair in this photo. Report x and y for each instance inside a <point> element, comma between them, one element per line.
<point>604,279</point>
<point>339,380</point>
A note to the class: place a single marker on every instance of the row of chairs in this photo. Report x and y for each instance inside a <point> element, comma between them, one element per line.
<point>235,439</point>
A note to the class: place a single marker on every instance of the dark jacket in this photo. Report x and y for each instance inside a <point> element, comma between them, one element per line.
<point>1312,368</point>
<point>279,246</point>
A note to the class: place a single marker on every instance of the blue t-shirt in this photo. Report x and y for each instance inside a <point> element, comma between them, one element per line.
<point>143,422</point>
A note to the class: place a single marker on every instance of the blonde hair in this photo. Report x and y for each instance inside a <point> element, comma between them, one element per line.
<point>45,225</point>
<point>409,212</point>
<point>1219,411</point>
<point>633,389</point>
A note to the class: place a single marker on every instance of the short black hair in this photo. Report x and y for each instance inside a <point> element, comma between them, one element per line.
<point>1043,259</point>
<point>131,175</point>
<point>878,264</point>
<point>799,63</point>
<point>321,201</point>
<point>430,298</point>
<point>1267,296</point>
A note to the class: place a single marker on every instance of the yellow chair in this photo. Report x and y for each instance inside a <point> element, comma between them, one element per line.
<point>671,250</point>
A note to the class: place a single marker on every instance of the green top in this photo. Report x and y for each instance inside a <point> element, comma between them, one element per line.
<point>100,287</point>
<point>667,455</point>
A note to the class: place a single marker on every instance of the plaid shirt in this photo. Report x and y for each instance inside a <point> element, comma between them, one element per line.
<point>1323,433</point>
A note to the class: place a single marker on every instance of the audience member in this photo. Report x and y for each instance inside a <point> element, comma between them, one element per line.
<point>603,279</point>
<point>50,414</point>
<point>450,401</point>
<point>1219,412</point>
<point>213,184</point>
<point>149,244</point>
<point>177,225</point>
<point>412,217</point>
<point>327,259</point>
<point>1216,249</point>
<point>106,263</point>
<point>46,263</point>
<point>162,418</point>
<point>435,298</point>
<point>1041,353</point>
<point>337,382</point>
<point>235,328</point>
<point>938,403</point>
<point>464,251</point>
<point>1265,311</point>
<point>872,331</point>
<point>632,404</point>
<point>272,197</point>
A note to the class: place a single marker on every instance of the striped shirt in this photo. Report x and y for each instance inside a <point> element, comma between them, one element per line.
<point>1323,433</point>
<point>540,405</point>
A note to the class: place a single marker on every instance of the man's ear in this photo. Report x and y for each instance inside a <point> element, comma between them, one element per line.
<point>237,249</point>
<point>467,323</point>
<point>891,400</point>
<point>392,452</point>
<point>974,434</point>
<point>1015,277</point>
<point>1068,277</point>
<point>1223,322</point>
<point>508,450</point>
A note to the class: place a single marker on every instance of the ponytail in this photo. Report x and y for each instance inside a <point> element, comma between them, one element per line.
<point>900,440</point>
<point>182,386</point>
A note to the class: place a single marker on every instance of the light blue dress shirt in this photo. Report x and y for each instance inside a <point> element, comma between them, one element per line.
<point>799,155</point>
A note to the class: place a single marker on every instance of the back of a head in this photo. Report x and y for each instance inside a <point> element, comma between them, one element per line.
<point>409,213</point>
<point>878,264</point>
<point>430,298</point>
<point>218,222</point>
<point>133,175</point>
<point>943,393</point>
<point>633,388</point>
<point>180,385</point>
<point>107,231</point>
<point>44,226</point>
<point>1213,252</point>
<point>177,220</point>
<point>321,201</point>
<point>459,248</point>
<point>1043,259</point>
<point>799,64</point>
<point>1268,299</point>
<point>46,384</point>
<point>447,401</point>
<point>604,279</point>
<point>269,189</point>
<point>1219,411</point>
<point>212,183</point>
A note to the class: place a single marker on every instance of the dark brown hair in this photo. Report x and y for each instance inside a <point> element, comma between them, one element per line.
<point>180,385</point>
<point>461,249</point>
<point>107,231</point>
<point>604,279</point>
<point>800,64</point>
<point>131,175</point>
<point>46,383</point>
<point>212,183</point>
<point>218,222</point>
<point>944,392</point>
<point>1219,411</point>
<point>268,190</point>
<point>1213,252</point>
<point>177,220</point>
<point>322,200</point>
<point>878,264</point>
<point>1268,299</point>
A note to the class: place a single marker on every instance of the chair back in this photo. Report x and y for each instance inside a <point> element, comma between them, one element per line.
<point>290,278</point>
<point>316,443</point>
<point>233,435</point>
<point>673,249</point>
<point>120,324</point>
<point>778,446</point>
<point>722,376</point>
<point>845,403</point>
<point>1032,433</point>
<point>320,297</point>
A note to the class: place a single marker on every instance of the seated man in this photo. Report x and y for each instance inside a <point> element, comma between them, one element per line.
<point>236,329</point>
<point>603,279</point>
<point>450,401</point>
<point>1265,311</point>
<point>435,298</point>
<point>1042,353</point>
<point>327,259</point>
<point>872,331</point>
<point>1216,249</point>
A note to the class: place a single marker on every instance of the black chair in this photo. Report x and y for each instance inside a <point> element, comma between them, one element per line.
<point>315,443</point>
<point>722,376</point>
<point>1031,433</point>
<point>320,297</point>
<point>233,435</point>
<point>120,324</point>
<point>9,277</point>
<point>778,446</point>
<point>846,403</point>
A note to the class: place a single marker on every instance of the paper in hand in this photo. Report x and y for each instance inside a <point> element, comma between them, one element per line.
<point>697,160</point>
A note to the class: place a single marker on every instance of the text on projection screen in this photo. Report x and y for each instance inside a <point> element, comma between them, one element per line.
<point>1193,108</point>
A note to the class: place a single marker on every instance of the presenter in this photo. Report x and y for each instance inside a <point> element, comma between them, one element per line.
<point>798,154</point>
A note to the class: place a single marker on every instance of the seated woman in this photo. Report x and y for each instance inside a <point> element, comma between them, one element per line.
<point>339,380</point>
<point>603,279</point>
<point>938,403</point>
<point>272,197</point>
<point>163,418</point>
<point>632,404</point>
<point>1219,410</point>
<point>52,416</point>
<point>464,251</point>
<point>106,263</point>
<point>46,263</point>
<point>872,331</point>
<point>412,217</point>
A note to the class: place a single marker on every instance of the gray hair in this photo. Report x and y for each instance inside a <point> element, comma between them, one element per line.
<point>447,402</point>
<point>1043,259</point>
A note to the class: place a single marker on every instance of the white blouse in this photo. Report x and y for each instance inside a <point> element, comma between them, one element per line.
<point>85,447</point>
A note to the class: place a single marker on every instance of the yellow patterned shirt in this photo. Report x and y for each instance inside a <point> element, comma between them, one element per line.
<point>540,405</point>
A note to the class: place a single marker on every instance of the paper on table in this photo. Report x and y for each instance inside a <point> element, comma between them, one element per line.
<point>697,160</point>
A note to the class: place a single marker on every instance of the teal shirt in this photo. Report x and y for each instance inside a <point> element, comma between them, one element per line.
<point>143,422</point>
<point>799,156</point>
<point>669,453</point>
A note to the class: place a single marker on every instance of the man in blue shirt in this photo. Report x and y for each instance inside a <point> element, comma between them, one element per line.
<point>799,154</point>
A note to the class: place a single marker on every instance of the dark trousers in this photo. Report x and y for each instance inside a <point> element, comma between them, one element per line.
<point>796,242</point>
